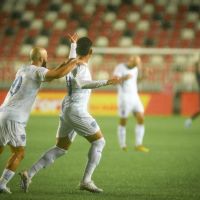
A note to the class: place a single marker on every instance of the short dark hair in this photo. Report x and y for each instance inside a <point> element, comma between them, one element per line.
<point>84,45</point>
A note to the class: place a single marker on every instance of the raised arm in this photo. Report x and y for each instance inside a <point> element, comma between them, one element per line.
<point>62,70</point>
<point>73,39</point>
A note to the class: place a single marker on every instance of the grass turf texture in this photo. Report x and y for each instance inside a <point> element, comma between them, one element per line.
<point>170,171</point>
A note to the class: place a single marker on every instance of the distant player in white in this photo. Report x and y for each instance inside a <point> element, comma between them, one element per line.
<point>129,102</point>
<point>15,110</point>
<point>75,118</point>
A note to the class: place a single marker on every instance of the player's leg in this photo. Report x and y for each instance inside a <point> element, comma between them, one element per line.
<point>139,132</point>
<point>12,165</point>
<point>13,134</point>
<point>121,132</point>
<point>65,136</point>
<point>124,110</point>
<point>1,149</point>
<point>97,142</point>
<point>188,121</point>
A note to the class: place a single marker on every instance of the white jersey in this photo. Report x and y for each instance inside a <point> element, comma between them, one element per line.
<point>79,84</point>
<point>129,87</point>
<point>21,96</point>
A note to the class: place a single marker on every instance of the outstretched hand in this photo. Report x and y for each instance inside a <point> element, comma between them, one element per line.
<point>73,38</point>
<point>114,81</point>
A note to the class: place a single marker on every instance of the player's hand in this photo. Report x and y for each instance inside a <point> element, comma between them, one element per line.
<point>72,38</point>
<point>126,77</point>
<point>114,81</point>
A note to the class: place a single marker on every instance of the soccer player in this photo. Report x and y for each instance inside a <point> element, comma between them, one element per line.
<point>129,102</point>
<point>189,121</point>
<point>74,118</point>
<point>15,110</point>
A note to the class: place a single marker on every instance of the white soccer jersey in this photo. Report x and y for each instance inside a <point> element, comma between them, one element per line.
<point>21,96</point>
<point>128,97</point>
<point>74,114</point>
<point>128,87</point>
<point>79,84</point>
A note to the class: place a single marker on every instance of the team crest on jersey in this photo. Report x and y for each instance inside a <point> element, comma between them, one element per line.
<point>94,124</point>
<point>23,137</point>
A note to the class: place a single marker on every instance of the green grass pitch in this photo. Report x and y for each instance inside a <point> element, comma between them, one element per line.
<point>170,171</point>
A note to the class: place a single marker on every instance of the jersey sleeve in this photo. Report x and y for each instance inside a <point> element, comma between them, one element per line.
<point>72,53</point>
<point>40,73</point>
<point>118,71</point>
<point>83,80</point>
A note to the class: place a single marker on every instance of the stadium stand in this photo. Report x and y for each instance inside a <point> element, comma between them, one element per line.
<point>109,23</point>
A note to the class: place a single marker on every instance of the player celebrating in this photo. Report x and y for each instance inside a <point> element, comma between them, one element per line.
<point>75,118</point>
<point>129,102</point>
<point>15,110</point>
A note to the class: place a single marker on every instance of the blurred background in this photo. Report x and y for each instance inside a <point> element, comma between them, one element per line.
<point>165,33</point>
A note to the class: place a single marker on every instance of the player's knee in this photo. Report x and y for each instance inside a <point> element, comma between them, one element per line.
<point>140,121</point>
<point>100,143</point>
<point>20,154</point>
<point>122,122</point>
<point>1,150</point>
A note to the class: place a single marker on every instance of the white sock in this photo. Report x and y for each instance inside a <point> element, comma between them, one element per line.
<point>122,136</point>
<point>139,134</point>
<point>94,156</point>
<point>48,158</point>
<point>6,177</point>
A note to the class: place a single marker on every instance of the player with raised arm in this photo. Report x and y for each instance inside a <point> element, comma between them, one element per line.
<point>16,108</point>
<point>74,118</point>
<point>129,102</point>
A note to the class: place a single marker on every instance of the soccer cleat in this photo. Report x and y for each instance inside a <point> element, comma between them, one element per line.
<point>188,122</point>
<point>5,190</point>
<point>25,181</point>
<point>90,186</point>
<point>141,148</point>
<point>125,149</point>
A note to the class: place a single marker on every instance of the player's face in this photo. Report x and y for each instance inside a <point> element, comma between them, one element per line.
<point>132,62</point>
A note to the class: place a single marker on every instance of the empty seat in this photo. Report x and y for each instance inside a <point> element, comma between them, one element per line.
<point>148,9</point>
<point>172,8</point>
<point>109,17</point>
<point>102,41</point>
<point>89,9</point>
<point>62,51</point>
<point>51,16</point>
<point>60,24</point>
<point>187,34</point>
<point>192,17</point>
<point>125,42</point>
<point>82,32</point>
<point>66,8</point>
<point>28,15</point>
<point>42,41</point>
<point>143,25</point>
<point>133,17</point>
<point>119,25</point>
<point>180,60</point>
<point>37,24</point>
<point>139,2</point>
<point>25,49</point>
<point>157,60</point>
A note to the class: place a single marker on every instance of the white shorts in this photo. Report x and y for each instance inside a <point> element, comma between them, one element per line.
<point>125,107</point>
<point>82,123</point>
<point>12,133</point>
